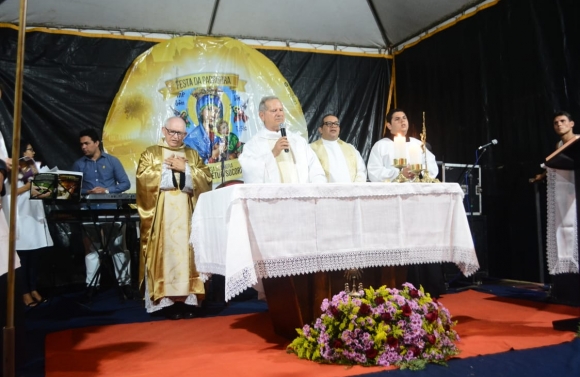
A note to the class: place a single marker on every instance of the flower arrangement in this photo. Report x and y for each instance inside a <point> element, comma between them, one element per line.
<point>404,328</point>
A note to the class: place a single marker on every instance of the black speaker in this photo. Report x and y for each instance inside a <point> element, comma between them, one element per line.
<point>478,227</point>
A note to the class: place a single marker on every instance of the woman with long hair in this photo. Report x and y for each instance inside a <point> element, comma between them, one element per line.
<point>32,227</point>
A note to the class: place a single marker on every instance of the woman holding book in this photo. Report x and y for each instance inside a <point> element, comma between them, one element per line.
<point>32,229</point>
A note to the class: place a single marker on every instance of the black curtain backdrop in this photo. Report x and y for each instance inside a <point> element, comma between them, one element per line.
<point>500,74</point>
<point>71,81</point>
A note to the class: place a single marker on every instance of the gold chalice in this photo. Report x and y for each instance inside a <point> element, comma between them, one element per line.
<point>416,169</point>
<point>400,163</point>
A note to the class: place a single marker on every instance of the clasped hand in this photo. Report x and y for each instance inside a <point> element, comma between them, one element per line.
<point>407,173</point>
<point>281,144</point>
<point>176,163</point>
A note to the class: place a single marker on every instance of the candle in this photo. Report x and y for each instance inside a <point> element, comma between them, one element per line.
<point>400,147</point>
<point>414,154</point>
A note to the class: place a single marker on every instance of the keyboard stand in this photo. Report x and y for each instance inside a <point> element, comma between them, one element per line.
<point>93,223</point>
<point>106,235</point>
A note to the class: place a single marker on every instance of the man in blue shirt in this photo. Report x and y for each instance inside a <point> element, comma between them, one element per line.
<point>102,174</point>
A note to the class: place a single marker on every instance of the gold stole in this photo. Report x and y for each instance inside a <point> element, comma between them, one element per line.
<point>349,156</point>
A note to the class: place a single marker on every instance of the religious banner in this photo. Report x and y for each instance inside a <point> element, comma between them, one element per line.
<point>214,84</point>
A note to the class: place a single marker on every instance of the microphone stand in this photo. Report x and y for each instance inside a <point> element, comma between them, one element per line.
<point>224,157</point>
<point>466,173</point>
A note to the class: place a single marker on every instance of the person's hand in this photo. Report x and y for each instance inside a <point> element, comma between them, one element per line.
<point>215,153</point>
<point>176,163</point>
<point>407,173</point>
<point>281,144</point>
<point>97,190</point>
<point>8,162</point>
<point>36,193</point>
<point>538,178</point>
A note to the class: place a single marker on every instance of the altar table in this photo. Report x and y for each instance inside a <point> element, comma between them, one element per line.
<point>251,231</point>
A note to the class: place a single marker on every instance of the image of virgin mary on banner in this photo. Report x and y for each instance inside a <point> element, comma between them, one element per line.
<point>214,85</point>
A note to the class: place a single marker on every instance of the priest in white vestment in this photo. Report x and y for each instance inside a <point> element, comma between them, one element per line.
<point>341,161</point>
<point>269,157</point>
<point>380,164</point>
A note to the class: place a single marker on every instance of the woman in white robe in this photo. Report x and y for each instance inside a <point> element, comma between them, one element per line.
<point>32,228</point>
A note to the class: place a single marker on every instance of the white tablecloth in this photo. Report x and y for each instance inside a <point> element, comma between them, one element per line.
<point>252,231</point>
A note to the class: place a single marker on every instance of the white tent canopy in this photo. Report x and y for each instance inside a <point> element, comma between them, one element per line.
<point>376,24</point>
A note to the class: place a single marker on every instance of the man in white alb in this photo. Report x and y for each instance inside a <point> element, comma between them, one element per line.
<point>341,161</point>
<point>269,157</point>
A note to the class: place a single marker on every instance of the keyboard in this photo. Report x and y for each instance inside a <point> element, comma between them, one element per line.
<point>123,198</point>
<point>101,216</point>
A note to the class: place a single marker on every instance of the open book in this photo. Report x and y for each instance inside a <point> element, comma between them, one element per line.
<point>57,184</point>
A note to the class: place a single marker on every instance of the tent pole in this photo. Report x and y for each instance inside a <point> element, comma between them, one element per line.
<point>8,332</point>
<point>392,94</point>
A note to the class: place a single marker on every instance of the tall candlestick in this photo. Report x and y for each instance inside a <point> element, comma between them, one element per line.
<point>414,154</point>
<point>400,147</point>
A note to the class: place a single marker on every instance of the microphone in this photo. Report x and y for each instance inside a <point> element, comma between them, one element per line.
<point>493,142</point>
<point>283,133</point>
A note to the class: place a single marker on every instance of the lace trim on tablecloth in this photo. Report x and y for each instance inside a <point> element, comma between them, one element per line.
<point>340,190</point>
<point>239,282</point>
<point>464,258</point>
<point>557,265</point>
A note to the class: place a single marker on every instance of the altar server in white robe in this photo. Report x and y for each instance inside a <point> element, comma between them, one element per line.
<point>562,229</point>
<point>269,157</point>
<point>380,164</point>
<point>341,161</point>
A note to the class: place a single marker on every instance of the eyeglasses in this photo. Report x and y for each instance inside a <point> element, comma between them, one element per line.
<point>330,124</point>
<point>30,149</point>
<point>175,133</point>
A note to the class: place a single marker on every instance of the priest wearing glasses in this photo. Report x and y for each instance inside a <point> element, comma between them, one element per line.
<point>341,161</point>
<point>170,177</point>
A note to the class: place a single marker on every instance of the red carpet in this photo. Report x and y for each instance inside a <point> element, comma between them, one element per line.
<point>245,345</point>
